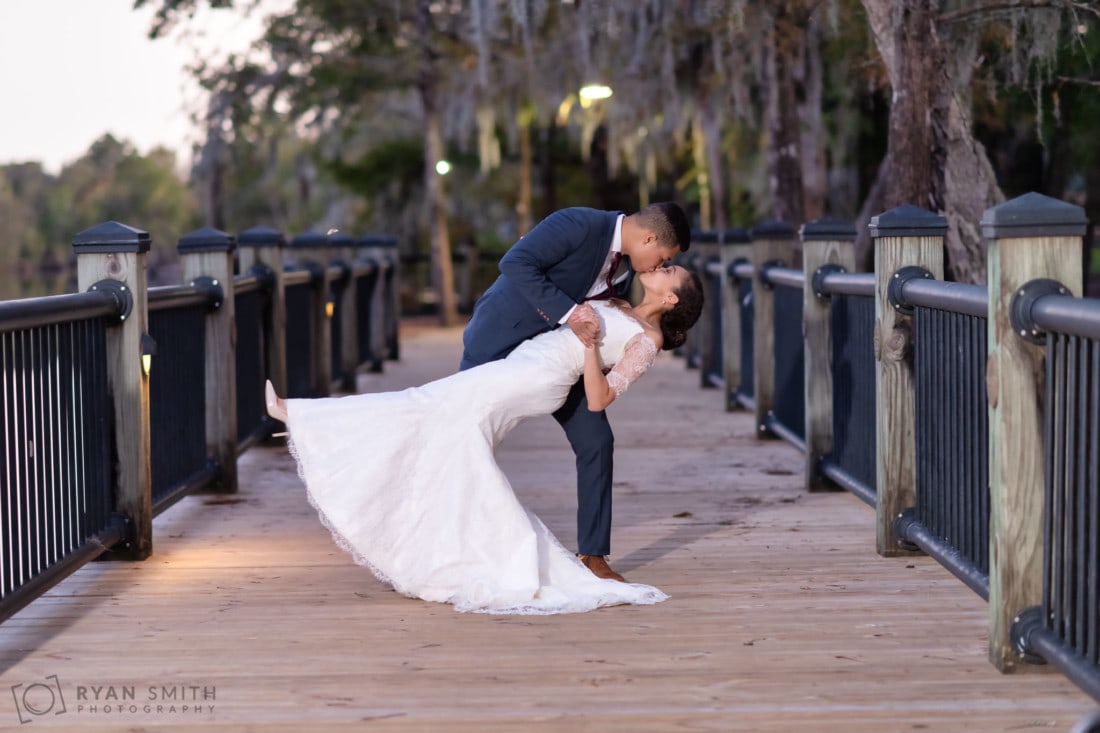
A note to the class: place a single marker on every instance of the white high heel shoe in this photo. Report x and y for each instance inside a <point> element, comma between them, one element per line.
<point>272,400</point>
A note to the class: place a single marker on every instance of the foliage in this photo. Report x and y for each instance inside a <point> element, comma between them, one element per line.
<point>112,181</point>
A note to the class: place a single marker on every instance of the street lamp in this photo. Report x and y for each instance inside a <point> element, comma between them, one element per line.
<point>590,93</point>
<point>442,167</point>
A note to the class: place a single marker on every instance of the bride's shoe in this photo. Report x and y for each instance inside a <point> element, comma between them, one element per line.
<point>274,409</point>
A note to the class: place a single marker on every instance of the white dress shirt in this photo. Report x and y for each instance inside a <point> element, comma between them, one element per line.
<point>600,285</point>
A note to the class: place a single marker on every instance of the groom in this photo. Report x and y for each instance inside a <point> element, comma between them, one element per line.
<point>571,256</point>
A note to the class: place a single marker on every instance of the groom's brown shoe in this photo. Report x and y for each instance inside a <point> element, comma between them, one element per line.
<point>599,567</point>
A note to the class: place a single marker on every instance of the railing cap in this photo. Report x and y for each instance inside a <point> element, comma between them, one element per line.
<point>206,239</point>
<point>734,235</point>
<point>260,237</point>
<point>1034,215</point>
<point>309,240</point>
<point>830,229</point>
<point>908,221</point>
<point>772,229</point>
<point>111,236</point>
<point>376,240</point>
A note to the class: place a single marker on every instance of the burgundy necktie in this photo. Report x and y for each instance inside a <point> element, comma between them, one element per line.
<point>616,258</point>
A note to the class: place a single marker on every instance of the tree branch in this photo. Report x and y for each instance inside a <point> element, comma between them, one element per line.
<point>1077,81</point>
<point>1000,5</point>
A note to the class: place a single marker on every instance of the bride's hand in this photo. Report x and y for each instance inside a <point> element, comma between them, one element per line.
<point>585,324</point>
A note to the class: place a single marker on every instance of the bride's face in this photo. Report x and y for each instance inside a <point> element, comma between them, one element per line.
<point>663,280</point>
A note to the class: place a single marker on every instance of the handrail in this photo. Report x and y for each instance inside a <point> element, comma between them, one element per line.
<point>16,315</point>
<point>785,276</point>
<point>743,270</point>
<point>970,300</point>
<point>297,277</point>
<point>848,283</point>
<point>1067,314</point>
<point>200,292</point>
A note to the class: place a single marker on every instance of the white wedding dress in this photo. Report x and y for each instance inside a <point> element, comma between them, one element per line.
<point>407,481</point>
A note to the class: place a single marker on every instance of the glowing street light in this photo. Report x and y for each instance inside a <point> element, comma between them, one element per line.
<point>590,93</point>
<point>442,167</point>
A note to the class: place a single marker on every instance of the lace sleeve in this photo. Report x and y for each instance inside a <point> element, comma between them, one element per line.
<point>638,356</point>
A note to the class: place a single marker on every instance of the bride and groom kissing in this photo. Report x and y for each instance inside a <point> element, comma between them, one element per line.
<point>430,512</point>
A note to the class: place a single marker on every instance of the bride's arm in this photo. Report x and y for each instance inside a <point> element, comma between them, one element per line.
<point>602,390</point>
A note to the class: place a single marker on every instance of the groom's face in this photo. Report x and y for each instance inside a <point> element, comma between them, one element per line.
<point>651,255</point>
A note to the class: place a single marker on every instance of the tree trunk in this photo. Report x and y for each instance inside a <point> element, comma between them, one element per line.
<point>523,199</point>
<point>442,268</point>
<point>812,147</point>
<point>917,63</point>
<point>932,160</point>
<point>784,39</point>
<point>699,157</point>
<point>549,183</point>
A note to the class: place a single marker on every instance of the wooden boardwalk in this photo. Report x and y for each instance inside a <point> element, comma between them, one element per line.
<point>782,617</point>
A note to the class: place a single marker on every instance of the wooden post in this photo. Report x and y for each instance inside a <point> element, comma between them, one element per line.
<point>342,248</point>
<point>1030,237</point>
<point>736,246</point>
<point>771,244</point>
<point>114,251</point>
<point>705,248</point>
<point>311,250</point>
<point>208,253</point>
<point>825,242</point>
<point>905,236</point>
<point>264,246</point>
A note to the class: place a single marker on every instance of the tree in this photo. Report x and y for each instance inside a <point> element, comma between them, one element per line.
<point>934,160</point>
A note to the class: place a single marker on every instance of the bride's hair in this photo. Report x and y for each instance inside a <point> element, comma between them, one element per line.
<point>676,321</point>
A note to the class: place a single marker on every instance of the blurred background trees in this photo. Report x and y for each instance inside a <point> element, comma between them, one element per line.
<point>741,111</point>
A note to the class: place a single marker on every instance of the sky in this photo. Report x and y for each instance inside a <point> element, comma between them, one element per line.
<point>73,70</point>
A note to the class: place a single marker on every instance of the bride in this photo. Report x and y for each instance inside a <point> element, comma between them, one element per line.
<point>407,481</point>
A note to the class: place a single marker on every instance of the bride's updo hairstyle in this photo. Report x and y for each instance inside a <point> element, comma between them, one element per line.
<point>676,321</point>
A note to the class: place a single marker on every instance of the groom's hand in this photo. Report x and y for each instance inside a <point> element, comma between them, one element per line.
<point>584,323</point>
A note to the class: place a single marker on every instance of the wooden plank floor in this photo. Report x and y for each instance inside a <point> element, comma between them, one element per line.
<point>782,617</point>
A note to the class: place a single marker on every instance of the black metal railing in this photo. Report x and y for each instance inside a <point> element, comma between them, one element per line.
<point>339,276</point>
<point>851,463</point>
<point>177,391</point>
<point>1065,628</point>
<point>252,294</point>
<point>56,494</point>
<point>950,519</point>
<point>743,274</point>
<point>713,366</point>
<point>301,291</point>
<point>368,277</point>
<point>788,416</point>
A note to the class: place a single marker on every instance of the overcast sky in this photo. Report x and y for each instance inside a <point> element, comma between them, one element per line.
<point>72,70</point>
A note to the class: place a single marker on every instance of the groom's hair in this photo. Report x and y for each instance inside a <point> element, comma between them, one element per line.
<point>668,221</point>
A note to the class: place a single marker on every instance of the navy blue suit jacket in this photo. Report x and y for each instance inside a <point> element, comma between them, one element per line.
<point>543,275</point>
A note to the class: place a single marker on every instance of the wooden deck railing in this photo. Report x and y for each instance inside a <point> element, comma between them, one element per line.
<point>122,399</point>
<point>983,444</point>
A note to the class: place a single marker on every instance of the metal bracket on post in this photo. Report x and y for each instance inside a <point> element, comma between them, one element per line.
<point>123,297</point>
<point>897,283</point>
<point>818,282</point>
<point>1024,299</point>
<point>214,292</point>
<point>1026,622</point>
